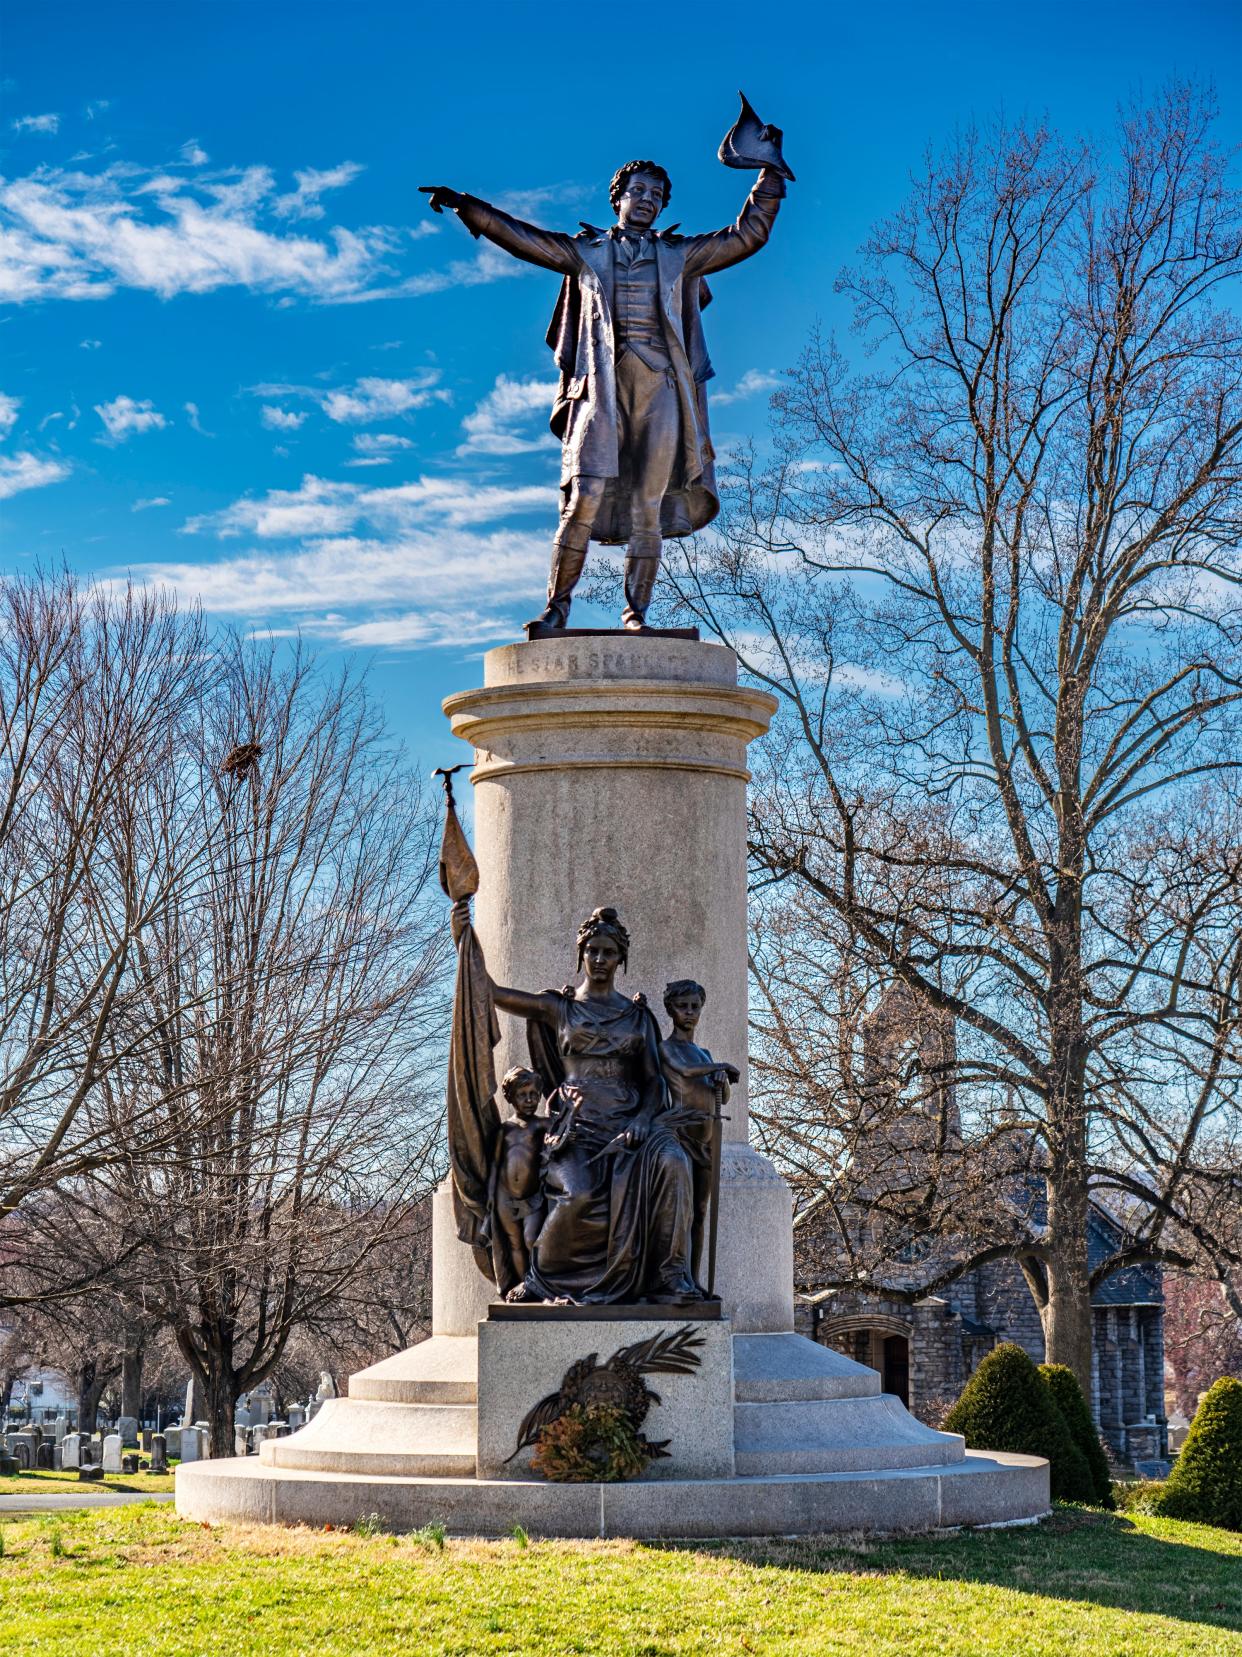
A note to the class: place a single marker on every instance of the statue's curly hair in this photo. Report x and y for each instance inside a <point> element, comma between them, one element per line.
<point>683,986</point>
<point>512,1079</point>
<point>621,178</point>
<point>606,921</point>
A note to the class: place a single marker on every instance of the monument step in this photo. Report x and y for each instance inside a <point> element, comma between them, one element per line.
<point>775,1369</point>
<point>984,1489</point>
<point>843,1435</point>
<point>442,1370</point>
<point>352,1435</point>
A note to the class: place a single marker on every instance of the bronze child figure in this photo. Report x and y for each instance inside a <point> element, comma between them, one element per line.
<point>627,335</point>
<point>517,1195</point>
<point>698,1088</point>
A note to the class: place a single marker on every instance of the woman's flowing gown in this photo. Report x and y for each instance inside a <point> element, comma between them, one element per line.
<point>619,1219</point>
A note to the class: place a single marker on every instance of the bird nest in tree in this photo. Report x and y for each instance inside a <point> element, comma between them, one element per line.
<point>592,1444</point>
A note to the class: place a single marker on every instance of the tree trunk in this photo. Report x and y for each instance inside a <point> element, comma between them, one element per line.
<point>90,1387</point>
<point>221,1403</point>
<point>131,1378</point>
<point>1067,1314</point>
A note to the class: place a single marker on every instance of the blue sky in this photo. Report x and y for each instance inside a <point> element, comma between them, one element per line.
<point>239,355</point>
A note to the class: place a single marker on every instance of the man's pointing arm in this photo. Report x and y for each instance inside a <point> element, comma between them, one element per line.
<point>549,248</point>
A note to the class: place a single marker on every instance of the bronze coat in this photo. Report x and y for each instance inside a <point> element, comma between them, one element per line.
<point>583,342</point>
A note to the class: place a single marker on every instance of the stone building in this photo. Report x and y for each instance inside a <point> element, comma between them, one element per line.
<point>926,1349</point>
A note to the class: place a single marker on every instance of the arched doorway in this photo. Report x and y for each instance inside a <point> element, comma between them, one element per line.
<point>880,1342</point>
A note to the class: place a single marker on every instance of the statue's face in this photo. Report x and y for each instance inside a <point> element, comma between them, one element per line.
<point>684,1010</point>
<point>640,205</point>
<point>525,1100</point>
<point>601,958</point>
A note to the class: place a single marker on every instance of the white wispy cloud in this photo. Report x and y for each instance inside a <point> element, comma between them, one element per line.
<point>188,228</point>
<point>74,235</point>
<point>755,382</point>
<point>372,398</point>
<point>36,123</point>
<point>27,471</point>
<point>447,578</point>
<point>89,344</point>
<point>8,413</point>
<point>196,424</point>
<point>377,448</point>
<point>494,428</point>
<point>323,506</point>
<point>146,505</point>
<point>374,443</point>
<point>280,419</point>
<point>96,107</point>
<point>368,399</point>
<point>124,417</point>
<point>304,203</point>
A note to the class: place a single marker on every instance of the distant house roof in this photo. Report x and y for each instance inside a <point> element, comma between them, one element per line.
<point>1132,1285</point>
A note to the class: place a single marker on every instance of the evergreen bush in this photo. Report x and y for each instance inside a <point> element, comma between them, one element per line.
<point>1006,1406</point>
<point>1068,1397</point>
<point>1206,1482</point>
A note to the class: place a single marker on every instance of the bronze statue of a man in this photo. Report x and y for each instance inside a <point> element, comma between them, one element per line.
<point>627,335</point>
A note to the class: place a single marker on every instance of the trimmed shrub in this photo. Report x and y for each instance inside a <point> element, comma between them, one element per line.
<point>1006,1406</point>
<point>1068,1397</point>
<point>1206,1481</point>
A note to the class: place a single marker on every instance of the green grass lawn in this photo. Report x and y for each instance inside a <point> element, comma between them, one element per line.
<point>45,1482</point>
<point>139,1580</point>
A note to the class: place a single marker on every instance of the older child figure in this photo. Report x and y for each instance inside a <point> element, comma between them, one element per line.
<point>698,1087</point>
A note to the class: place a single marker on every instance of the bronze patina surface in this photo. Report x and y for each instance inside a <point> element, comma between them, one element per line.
<point>637,463</point>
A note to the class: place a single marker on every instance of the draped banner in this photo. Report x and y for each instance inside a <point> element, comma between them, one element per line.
<point>470,1104</point>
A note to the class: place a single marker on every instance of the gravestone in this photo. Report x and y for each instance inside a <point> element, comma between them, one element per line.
<point>187,1414</point>
<point>90,1473</point>
<point>159,1453</point>
<point>61,1427</point>
<point>21,1447</point>
<point>127,1427</point>
<point>241,1440</point>
<point>145,1439</point>
<point>129,1461</point>
<point>172,1441</point>
<point>112,1453</point>
<point>193,1444</point>
<point>297,1417</point>
<point>46,1454</point>
<point>70,1447</point>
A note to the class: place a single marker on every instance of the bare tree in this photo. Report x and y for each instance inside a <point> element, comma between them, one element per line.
<point>92,691</point>
<point>993,580</point>
<point>296,985</point>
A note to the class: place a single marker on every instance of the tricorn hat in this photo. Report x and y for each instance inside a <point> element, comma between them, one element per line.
<point>749,143</point>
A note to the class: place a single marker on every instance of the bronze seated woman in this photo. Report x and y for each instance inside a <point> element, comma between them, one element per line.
<point>617,1182</point>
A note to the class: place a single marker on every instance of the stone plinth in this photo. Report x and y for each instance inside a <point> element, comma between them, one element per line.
<point>521,1363</point>
<point>614,771</point>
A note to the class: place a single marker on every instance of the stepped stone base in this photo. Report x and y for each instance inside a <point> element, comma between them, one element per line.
<point>812,1442</point>
<point>978,1490</point>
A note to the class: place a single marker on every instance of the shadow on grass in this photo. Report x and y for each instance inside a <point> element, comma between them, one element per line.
<point>1076,1555</point>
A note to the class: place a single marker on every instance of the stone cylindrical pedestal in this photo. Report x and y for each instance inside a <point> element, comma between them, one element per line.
<point>612,770</point>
